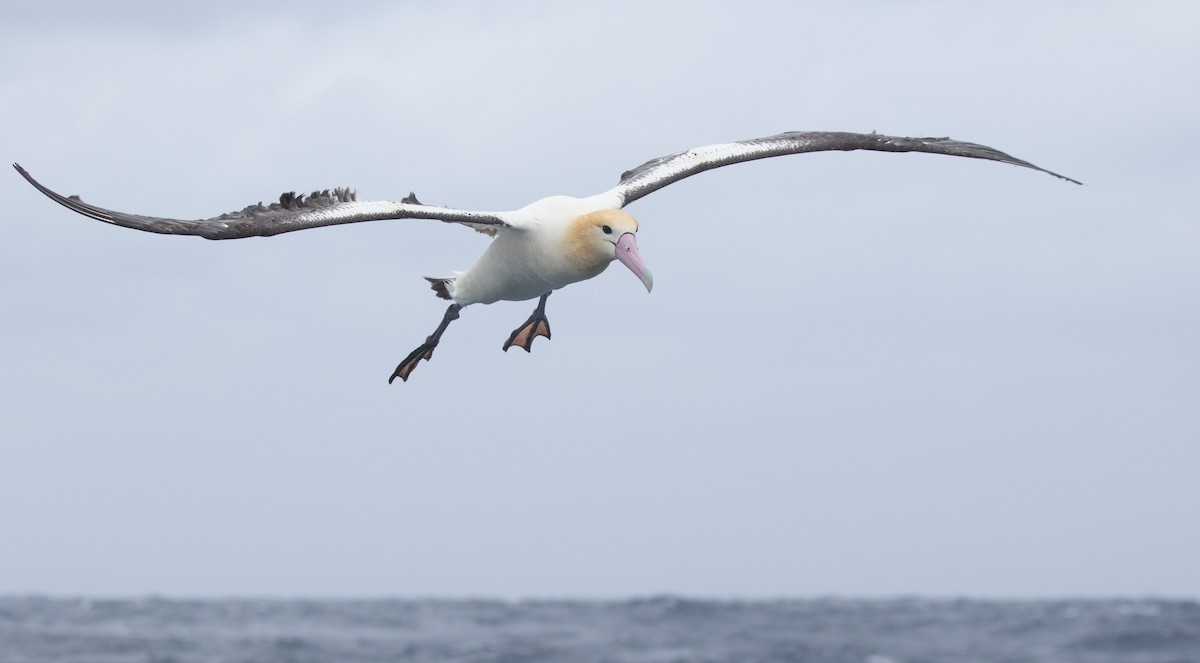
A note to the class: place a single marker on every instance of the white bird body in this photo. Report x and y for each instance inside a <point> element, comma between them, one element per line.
<point>539,248</point>
<point>527,259</point>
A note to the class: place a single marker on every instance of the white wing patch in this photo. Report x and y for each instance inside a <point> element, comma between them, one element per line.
<point>292,212</point>
<point>658,173</point>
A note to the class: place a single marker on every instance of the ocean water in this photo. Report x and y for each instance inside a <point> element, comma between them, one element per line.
<point>654,630</point>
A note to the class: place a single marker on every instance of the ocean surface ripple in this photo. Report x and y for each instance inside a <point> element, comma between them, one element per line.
<point>652,630</point>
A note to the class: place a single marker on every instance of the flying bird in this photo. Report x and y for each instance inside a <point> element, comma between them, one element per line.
<point>535,250</point>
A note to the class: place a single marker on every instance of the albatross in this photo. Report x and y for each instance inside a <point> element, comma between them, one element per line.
<point>535,250</point>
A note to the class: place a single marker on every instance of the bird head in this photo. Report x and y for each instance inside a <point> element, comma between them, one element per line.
<point>598,238</point>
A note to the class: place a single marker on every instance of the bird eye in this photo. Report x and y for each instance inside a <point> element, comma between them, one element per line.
<point>607,230</point>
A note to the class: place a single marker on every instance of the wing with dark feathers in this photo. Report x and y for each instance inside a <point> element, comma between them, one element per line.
<point>657,173</point>
<point>292,212</point>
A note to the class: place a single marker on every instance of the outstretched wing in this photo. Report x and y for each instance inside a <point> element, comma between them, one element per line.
<point>657,173</point>
<point>292,212</point>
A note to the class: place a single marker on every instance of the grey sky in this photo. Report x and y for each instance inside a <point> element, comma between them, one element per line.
<point>863,374</point>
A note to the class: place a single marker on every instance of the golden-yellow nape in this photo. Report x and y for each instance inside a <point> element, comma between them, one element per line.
<point>619,220</point>
<point>590,240</point>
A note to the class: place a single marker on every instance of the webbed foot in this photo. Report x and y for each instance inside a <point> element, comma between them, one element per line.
<point>410,362</point>
<point>425,352</point>
<point>537,325</point>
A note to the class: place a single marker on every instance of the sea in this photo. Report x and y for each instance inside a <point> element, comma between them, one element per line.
<point>661,629</point>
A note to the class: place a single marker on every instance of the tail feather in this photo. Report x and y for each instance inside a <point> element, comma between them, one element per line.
<point>441,286</point>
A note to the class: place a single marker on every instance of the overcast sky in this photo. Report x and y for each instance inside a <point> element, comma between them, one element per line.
<point>858,374</point>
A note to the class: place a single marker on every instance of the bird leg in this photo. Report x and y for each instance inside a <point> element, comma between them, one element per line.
<point>426,350</point>
<point>536,325</point>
